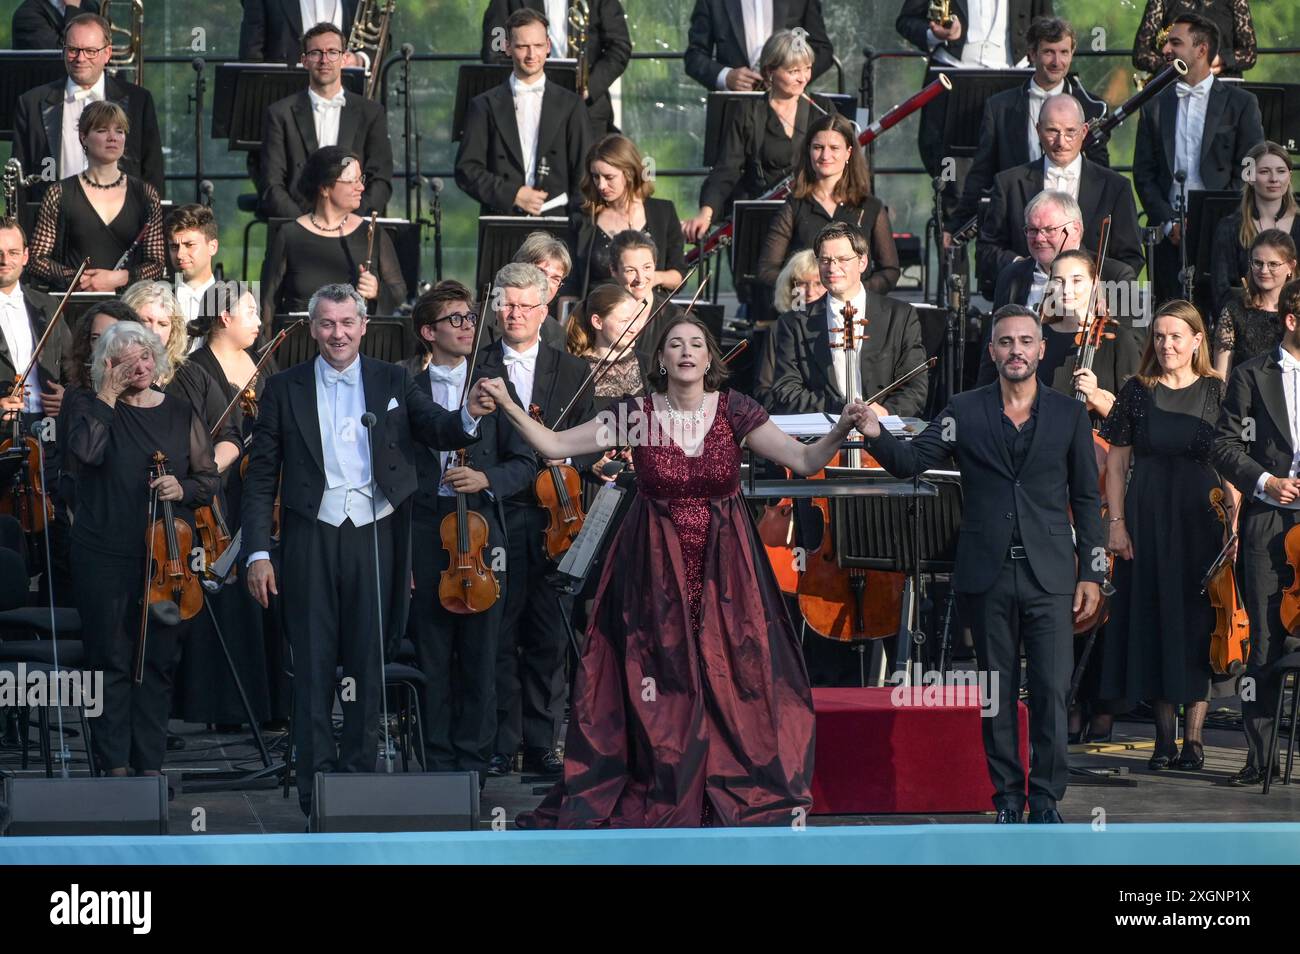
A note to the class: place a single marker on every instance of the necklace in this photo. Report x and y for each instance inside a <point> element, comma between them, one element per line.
<point>85,177</point>
<point>684,417</point>
<point>311,217</point>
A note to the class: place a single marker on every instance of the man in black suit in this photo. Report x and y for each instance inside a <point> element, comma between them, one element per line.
<point>949,46</point>
<point>526,140</point>
<point>457,651</point>
<point>1027,463</point>
<point>1009,128</point>
<point>726,37</point>
<point>324,114</point>
<point>39,24</point>
<point>1255,448</point>
<point>1199,127</point>
<point>1053,224</point>
<point>530,658</point>
<point>608,48</point>
<point>313,446</point>
<point>24,315</point>
<point>271,30</point>
<point>1098,190</point>
<point>809,371</point>
<point>45,120</point>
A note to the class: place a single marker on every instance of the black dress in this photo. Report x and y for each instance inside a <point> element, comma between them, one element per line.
<point>300,262</point>
<point>1158,636</point>
<point>796,226</point>
<point>591,246</point>
<point>1246,331</point>
<point>1230,260</point>
<point>68,230</point>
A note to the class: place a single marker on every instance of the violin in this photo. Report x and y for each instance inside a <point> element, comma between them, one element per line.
<point>467,585</point>
<point>1230,641</point>
<point>173,592</point>
<point>1097,327</point>
<point>1290,609</point>
<point>559,491</point>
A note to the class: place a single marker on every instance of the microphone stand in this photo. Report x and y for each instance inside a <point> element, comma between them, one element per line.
<point>368,421</point>
<point>435,208</point>
<point>408,121</point>
<point>958,304</point>
<point>1183,276</point>
<point>1150,239</point>
<point>38,429</point>
<point>196,100</point>
<point>936,186</point>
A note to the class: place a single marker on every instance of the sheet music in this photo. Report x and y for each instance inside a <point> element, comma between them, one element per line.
<point>559,202</point>
<point>577,561</point>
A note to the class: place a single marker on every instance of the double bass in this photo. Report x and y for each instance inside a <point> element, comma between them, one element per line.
<point>1230,641</point>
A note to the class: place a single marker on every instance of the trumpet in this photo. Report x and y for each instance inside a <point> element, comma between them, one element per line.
<point>941,12</point>
<point>133,57</point>
<point>579,22</point>
<point>369,36</point>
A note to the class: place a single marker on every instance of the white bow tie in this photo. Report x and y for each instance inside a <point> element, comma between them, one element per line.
<point>522,90</point>
<point>334,102</point>
<point>1183,90</point>
<point>1037,92</point>
<point>529,361</point>
<point>441,375</point>
<point>348,377</point>
<point>1056,172</point>
<point>81,93</point>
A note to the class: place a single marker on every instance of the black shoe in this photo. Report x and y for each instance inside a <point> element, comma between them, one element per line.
<point>543,762</point>
<point>498,766</point>
<point>1193,757</point>
<point>174,743</point>
<point>1048,816</point>
<point>1007,816</point>
<point>1253,776</point>
<point>1162,760</point>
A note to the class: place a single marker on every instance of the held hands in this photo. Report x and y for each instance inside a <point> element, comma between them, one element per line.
<point>1284,490</point>
<point>486,395</point>
<point>1087,597</point>
<point>261,582</point>
<point>855,415</point>
<point>368,285</point>
<point>530,200</point>
<point>103,279</point>
<point>867,422</point>
<point>465,480</point>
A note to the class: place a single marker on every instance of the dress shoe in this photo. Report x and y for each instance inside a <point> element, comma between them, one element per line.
<point>1193,757</point>
<point>1252,776</point>
<point>498,766</point>
<point>543,762</point>
<point>1047,816</point>
<point>1007,816</point>
<point>1162,760</point>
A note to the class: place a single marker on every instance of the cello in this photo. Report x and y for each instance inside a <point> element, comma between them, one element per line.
<point>1230,641</point>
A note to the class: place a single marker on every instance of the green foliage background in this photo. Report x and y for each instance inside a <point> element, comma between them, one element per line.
<point>663,110</point>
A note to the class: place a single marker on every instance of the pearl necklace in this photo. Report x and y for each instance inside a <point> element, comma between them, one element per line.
<point>311,216</point>
<point>685,417</point>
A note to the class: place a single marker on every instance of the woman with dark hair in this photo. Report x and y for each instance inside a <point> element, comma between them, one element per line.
<point>1162,430</point>
<point>831,184</point>
<point>1249,323</point>
<point>1267,202</point>
<point>617,194</point>
<point>328,244</point>
<point>102,214</point>
<point>691,705</point>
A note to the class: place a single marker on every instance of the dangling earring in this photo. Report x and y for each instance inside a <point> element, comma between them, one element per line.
<point>707,366</point>
<point>662,369</point>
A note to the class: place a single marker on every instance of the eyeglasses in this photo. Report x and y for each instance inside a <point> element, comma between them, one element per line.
<point>843,261</point>
<point>330,55</point>
<point>358,181</point>
<point>1045,233</point>
<point>1266,266</point>
<point>1069,135</point>
<point>459,320</point>
<point>507,309</point>
<point>89,52</point>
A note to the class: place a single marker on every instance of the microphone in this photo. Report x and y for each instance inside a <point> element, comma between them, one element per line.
<point>368,420</point>
<point>1180,176</point>
<point>198,64</point>
<point>612,468</point>
<point>408,50</point>
<point>436,185</point>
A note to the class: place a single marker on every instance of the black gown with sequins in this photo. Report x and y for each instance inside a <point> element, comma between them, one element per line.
<point>1158,636</point>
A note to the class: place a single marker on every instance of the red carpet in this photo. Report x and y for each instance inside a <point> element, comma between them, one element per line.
<point>875,757</point>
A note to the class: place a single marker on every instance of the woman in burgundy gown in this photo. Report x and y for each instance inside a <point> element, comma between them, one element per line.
<point>691,705</point>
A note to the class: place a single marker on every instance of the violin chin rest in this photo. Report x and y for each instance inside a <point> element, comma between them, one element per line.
<point>165,613</point>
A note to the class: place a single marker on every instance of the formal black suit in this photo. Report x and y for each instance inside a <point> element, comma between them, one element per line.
<point>716,39</point>
<point>1030,587</point>
<point>913,23</point>
<point>530,655</point>
<point>608,51</point>
<point>490,164</point>
<point>1253,437</point>
<point>326,578</point>
<point>803,370</point>
<point>457,652</point>
<point>38,26</point>
<point>271,30</point>
<point>1232,127</point>
<point>38,131</point>
<point>49,367</point>
<point>289,137</point>
<point>1102,192</point>
<point>1004,142</point>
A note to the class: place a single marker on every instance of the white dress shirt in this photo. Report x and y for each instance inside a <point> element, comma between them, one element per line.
<point>986,37</point>
<point>446,386</point>
<point>1065,179</point>
<point>345,446</point>
<point>190,299</point>
<point>1291,392</point>
<point>17,328</point>
<point>320,11</point>
<point>757,18</point>
<point>1192,102</point>
<point>325,115</point>
<point>521,367</point>
<point>1037,288</point>
<point>557,15</point>
<point>835,322</point>
<point>1038,96</point>
<point>72,158</point>
<point>528,117</point>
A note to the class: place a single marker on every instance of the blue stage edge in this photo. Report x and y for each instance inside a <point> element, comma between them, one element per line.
<point>1227,844</point>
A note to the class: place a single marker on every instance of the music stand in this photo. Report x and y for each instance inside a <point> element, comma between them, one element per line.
<point>20,71</point>
<point>753,221</point>
<point>388,338</point>
<point>475,78</point>
<point>1279,108</point>
<point>707,312</point>
<point>964,104</point>
<point>298,345</point>
<point>499,238</point>
<point>1205,209</point>
<point>244,91</point>
<point>79,303</point>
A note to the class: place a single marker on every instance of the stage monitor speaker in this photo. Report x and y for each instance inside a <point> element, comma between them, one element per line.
<point>87,806</point>
<point>433,801</point>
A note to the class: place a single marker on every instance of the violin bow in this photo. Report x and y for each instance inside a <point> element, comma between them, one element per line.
<point>474,348</point>
<point>895,385</point>
<point>257,369</point>
<point>49,328</point>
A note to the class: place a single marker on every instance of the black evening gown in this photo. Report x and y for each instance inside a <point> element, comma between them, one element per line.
<point>1158,636</point>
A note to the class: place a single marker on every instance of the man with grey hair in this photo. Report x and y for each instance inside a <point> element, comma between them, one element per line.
<point>530,657</point>
<point>1099,191</point>
<point>551,255</point>
<point>335,437</point>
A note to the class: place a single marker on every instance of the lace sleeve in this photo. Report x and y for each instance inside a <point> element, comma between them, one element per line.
<point>1145,56</point>
<point>43,266</point>
<point>1225,329</point>
<point>1243,37</point>
<point>1119,426</point>
<point>152,254</point>
<point>392,287</point>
